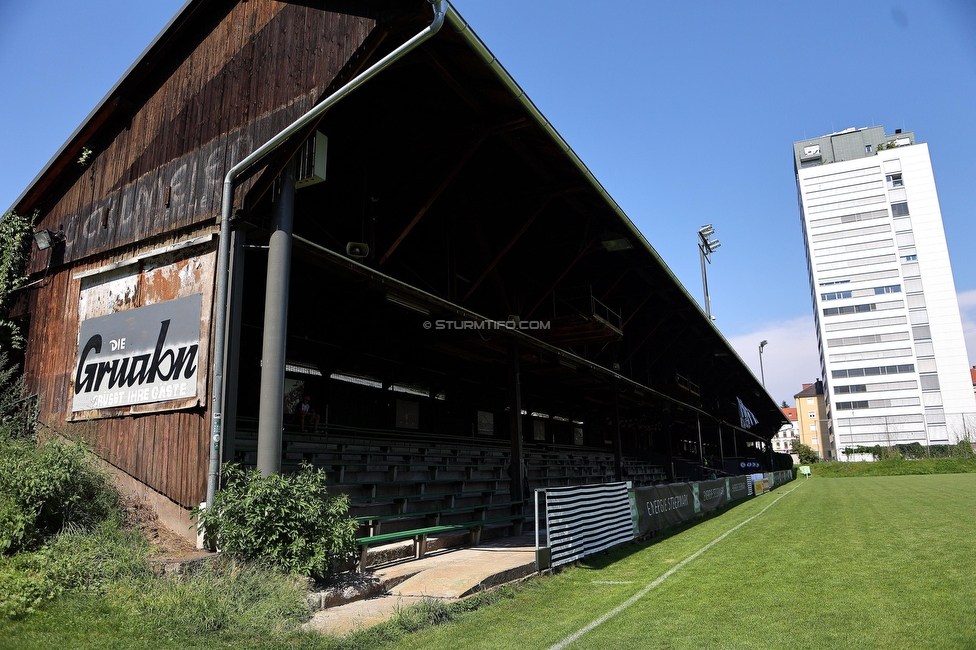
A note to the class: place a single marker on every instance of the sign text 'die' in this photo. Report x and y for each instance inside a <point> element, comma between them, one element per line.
<point>139,356</point>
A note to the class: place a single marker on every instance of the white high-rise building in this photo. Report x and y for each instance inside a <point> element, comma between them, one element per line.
<point>891,342</point>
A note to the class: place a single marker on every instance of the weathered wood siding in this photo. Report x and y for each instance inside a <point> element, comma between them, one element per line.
<point>225,87</point>
<point>260,68</point>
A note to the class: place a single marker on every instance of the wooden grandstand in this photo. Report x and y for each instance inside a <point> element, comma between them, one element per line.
<point>471,313</point>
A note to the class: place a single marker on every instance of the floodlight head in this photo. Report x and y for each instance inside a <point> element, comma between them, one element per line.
<point>713,245</point>
<point>762,344</point>
<point>707,230</point>
<point>44,238</point>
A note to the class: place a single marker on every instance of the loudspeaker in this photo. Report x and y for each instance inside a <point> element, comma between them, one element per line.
<point>357,249</point>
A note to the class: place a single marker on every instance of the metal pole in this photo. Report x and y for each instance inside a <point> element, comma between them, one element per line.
<point>708,304</point>
<point>762,373</point>
<point>271,406</point>
<point>537,527</point>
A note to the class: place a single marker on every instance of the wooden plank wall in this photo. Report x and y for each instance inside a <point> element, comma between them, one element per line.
<point>263,65</point>
<point>167,451</point>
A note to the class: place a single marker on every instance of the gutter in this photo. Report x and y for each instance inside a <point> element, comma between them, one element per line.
<point>227,207</point>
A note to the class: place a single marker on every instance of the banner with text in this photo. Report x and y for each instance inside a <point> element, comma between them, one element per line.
<point>662,506</point>
<point>139,356</point>
<point>713,494</point>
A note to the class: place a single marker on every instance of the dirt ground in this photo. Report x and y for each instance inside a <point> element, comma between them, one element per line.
<point>167,544</point>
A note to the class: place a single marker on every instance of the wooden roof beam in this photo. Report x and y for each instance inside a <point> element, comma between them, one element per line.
<point>505,249</point>
<point>583,251</point>
<point>462,161</point>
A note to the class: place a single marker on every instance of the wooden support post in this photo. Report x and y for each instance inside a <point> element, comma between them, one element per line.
<point>232,348</point>
<point>672,477</point>
<point>618,448</point>
<point>701,452</point>
<point>516,471</point>
<point>721,447</point>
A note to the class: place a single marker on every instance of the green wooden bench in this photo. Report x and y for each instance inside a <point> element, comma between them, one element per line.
<point>375,522</point>
<point>419,535</point>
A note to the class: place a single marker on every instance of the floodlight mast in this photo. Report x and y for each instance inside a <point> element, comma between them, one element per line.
<point>762,373</point>
<point>707,246</point>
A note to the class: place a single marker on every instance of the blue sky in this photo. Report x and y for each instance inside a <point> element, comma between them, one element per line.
<point>686,112</point>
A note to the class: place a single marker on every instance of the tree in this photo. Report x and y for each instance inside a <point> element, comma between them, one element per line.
<point>806,453</point>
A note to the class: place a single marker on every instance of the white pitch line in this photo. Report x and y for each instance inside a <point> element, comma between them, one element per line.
<point>643,592</point>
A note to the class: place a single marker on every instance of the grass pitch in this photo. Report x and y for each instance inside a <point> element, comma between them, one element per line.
<point>881,562</point>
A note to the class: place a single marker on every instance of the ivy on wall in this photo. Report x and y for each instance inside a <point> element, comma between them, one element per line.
<point>16,232</point>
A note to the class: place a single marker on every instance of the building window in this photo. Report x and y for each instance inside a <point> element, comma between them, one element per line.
<point>921,332</point>
<point>873,371</point>
<point>811,415</point>
<point>929,382</point>
<point>894,288</point>
<point>849,406</point>
<point>813,440</point>
<point>837,295</point>
<point>894,180</point>
<point>867,148</point>
<point>853,388</point>
<point>909,258</point>
<point>899,209</point>
<point>813,426</point>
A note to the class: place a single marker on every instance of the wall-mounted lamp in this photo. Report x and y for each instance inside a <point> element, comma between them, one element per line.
<point>46,239</point>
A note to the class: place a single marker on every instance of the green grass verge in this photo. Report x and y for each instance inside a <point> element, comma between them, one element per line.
<point>864,563</point>
<point>896,467</point>
<point>860,563</point>
<point>222,606</point>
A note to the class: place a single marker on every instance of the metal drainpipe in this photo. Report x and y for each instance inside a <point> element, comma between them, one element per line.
<point>227,208</point>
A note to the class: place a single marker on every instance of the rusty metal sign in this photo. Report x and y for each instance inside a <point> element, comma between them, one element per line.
<point>139,356</point>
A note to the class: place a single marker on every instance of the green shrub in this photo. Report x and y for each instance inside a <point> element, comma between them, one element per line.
<point>288,520</point>
<point>47,485</point>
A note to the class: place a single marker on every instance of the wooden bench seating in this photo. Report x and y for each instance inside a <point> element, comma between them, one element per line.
<point>419,535</point>
<point>375,522</point>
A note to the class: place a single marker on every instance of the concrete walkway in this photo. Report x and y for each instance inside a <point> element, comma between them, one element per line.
<point>363,600</point>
